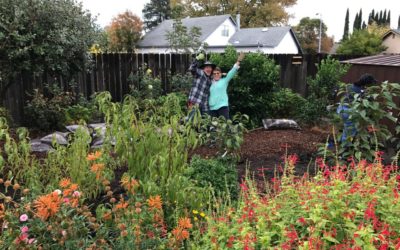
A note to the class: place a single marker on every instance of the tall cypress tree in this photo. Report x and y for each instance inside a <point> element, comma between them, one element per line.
<point>372,16</point>
<point>384,20</point>
<point>370,19</point>
<point>398,23</point>
<point>355,23</point>
<point>380,22</point>
<point>346,26</point>
<point>388,19</point>
<point>364,25</point>
<point>359,19</point>
<point>376,19</point>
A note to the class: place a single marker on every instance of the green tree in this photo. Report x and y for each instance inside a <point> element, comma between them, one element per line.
<point>124,31</point>
<point>43,36</point>
<point>307,31</point>
<point>181,39</point>
<point>346,26</point>
<point>398,23</point>
<point>155,12</point>
<point>362,42</point>
<point>254,13</point>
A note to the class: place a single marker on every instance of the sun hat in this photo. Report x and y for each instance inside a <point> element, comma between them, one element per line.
<point>208,63</point>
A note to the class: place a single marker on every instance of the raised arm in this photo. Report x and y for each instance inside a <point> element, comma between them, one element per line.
<point>194,67</point>
<point>235,67</point>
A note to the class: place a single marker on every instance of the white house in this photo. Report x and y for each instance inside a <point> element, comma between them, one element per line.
<point>391,40</point>
<point>220,31</point>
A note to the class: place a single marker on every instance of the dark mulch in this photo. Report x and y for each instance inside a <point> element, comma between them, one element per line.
<point>264,150</point>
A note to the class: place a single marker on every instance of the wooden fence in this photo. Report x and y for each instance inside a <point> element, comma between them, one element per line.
<point>111,73</point>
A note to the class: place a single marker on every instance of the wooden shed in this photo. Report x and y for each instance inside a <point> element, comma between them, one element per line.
<point>384,67</point>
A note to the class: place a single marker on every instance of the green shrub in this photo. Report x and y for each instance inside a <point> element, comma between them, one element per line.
<point>181,82</point>
<point>48,113</point>
<point>250,92</point>
<point>286,104</point>
<point>144,85</point>
<point>4,113</point>
<point>322,89</point>
<point>220,173</point>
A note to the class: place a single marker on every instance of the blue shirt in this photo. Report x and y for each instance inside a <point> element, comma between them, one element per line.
<point>218,90</point>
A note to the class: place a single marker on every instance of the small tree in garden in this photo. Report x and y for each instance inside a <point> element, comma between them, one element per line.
<point>124,32</point>
<point>43,36</point>
<point>181,39</point>
<point>362,42</point>
<point>322,89</point>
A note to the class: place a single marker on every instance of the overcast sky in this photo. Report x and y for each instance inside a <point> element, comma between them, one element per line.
<point>333,12</point>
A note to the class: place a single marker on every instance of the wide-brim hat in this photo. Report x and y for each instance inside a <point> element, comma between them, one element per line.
<point>208,63</point>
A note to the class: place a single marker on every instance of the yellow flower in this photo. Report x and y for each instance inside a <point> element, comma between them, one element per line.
<point>202,214</point>
<point>195,212</point>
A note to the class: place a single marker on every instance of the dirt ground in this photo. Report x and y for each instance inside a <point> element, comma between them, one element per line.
<point>263,151</point>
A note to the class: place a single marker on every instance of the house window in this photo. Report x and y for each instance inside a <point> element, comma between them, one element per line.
<point>225,30</point>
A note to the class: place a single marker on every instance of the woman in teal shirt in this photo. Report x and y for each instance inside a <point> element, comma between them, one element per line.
<point>218,99</point>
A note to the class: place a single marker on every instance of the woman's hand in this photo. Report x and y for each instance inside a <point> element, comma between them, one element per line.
<point>240,58</point>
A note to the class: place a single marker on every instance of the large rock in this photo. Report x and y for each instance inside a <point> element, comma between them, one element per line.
<point>74,128</point>
<point>38,146</point>
<point>280,124</point>
<point>59,137</point>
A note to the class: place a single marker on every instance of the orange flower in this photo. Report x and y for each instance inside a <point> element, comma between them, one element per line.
<point>64,183</point>
<point>185,223</point>
<point>121,205</point>
<point>180,234</point>
<point>96,155</point>
<point>97,167</point>
<point>47,205</point>
<point>107,216</point>
<point>74,187</point>
<point>2,211</point>
<point>129,183</point>
<point>155,202</point>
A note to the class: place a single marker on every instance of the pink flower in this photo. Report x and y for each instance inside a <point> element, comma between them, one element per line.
<point>76,194</point>
<point>66,200</point>
<point>24,229</point>
<point>31,241</point>
<point>64,233</point>
<point>23,218</point>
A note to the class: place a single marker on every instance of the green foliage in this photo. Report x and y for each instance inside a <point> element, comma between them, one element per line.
<point>155,12</point>
<point>322,89</point>
<point>5,114</point>
<point>154,145</point>
<point>220,173</point>
<point>363,43</point>
<point>250,92</point>
<point>227,135</point>
<point>57,108</point>
<point>181,82</point>
<point>180,39</point>
<point>43,36</point>
<point>307,31</point>
<point>47,113</point>
<point>346,26</point>
<point>367,112</point>
<point>143,84</point>
<point>286,104</point>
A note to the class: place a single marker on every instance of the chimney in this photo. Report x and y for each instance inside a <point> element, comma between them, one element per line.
<point>238,20</point>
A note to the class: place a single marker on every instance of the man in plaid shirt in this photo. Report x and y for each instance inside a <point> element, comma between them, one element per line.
<point>200,90</point>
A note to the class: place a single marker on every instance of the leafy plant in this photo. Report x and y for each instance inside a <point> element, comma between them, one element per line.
<point>220,173</point>
<point>322,89</point>
<point>227,135</point>
<point>286,104</point>
<point>181,82</point>
<point>143,84</point>
<point>367,112</point>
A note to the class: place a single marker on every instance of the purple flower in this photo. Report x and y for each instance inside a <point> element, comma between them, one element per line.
<point>23,218</point>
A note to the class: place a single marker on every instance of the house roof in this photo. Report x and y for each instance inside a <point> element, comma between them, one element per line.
<point>262,37</point>
<point>267,37</point>
<point>207,24</point>
<point>381,59</point>
<point>396,31</point>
